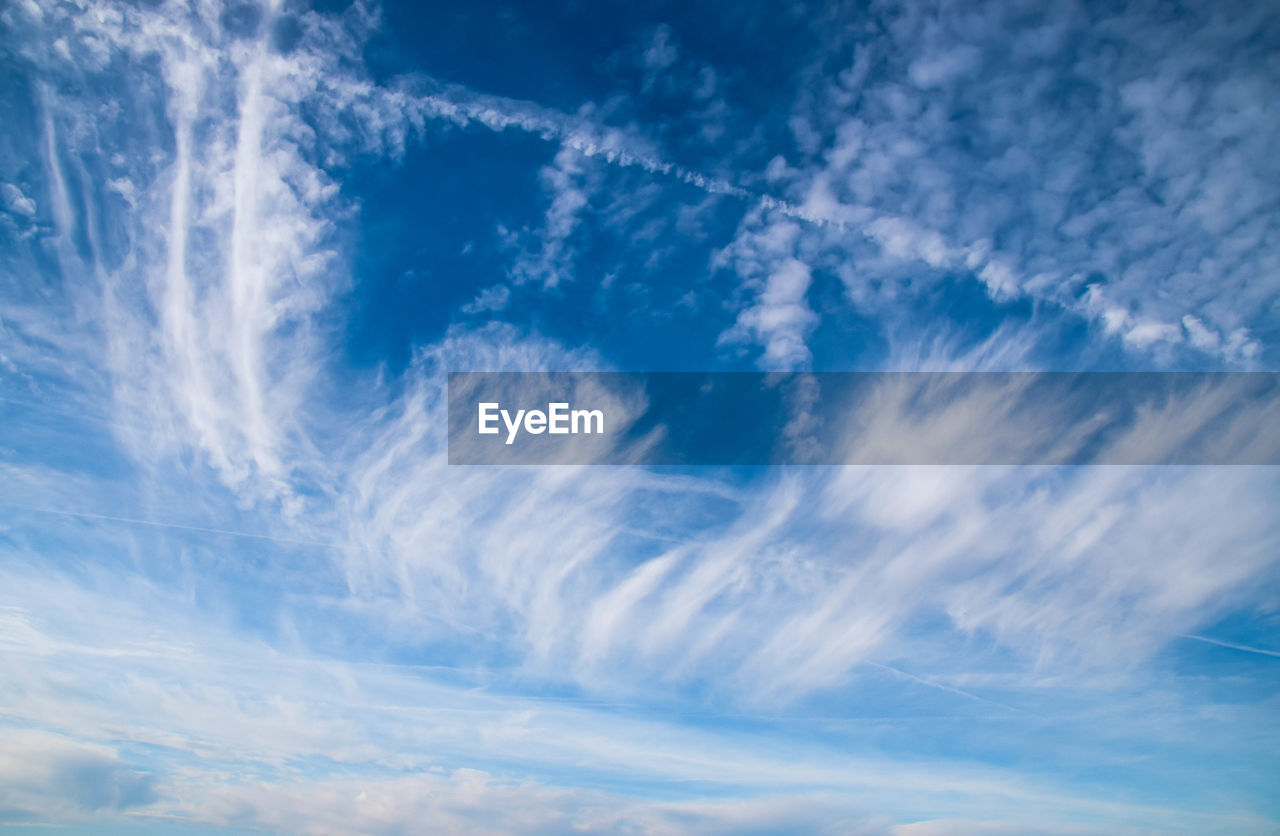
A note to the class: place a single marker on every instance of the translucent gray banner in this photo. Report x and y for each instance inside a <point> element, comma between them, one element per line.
<point>954,418</point>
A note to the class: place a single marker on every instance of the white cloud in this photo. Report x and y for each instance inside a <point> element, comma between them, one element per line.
<point>780,319</point>
<point>570,182</point>
<point>45,775</point>
<point>1146,168</point>
<point>17,202</point>
<point>240,734</point>
<point>661,52</point>
<point>937,69</point>
<point>488,300</point>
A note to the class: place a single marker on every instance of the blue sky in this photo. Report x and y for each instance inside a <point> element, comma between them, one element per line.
<point>241,246</point>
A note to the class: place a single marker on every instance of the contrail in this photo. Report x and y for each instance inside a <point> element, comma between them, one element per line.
<point>463,107</point>
<point>1232,646</point>
<point>949,689</point>
<point>183,527</point>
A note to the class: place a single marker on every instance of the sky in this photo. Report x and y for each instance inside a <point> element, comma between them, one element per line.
<point>242,245</point>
